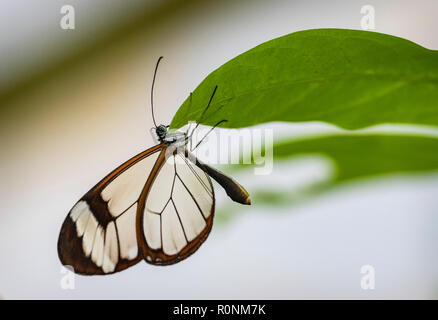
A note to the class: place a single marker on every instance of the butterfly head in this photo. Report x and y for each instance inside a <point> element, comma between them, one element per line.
<point>161,131</point>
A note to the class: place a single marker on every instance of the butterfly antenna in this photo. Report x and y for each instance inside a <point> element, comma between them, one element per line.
<point>208,105</point>
<point>209,131</point>
<point>152,90</point>
<point>203,112</point>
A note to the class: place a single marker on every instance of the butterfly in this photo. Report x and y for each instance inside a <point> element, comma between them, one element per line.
<point>158,207</point>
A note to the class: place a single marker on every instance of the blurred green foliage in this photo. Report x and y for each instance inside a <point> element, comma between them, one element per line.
<point>353,157</point>
<point>356,156</point>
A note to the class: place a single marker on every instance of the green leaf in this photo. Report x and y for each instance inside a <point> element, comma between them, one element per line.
<point>349,78</point>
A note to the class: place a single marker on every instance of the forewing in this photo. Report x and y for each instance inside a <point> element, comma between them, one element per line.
<point>99,234</point>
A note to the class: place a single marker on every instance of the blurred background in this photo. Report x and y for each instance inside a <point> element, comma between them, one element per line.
<point>74,104</point>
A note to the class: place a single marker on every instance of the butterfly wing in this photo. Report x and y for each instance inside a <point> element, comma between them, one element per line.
<point>176,209</point>
<point>99,234</point>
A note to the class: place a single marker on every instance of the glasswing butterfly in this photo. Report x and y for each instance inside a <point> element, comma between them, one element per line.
<point>158,207</point>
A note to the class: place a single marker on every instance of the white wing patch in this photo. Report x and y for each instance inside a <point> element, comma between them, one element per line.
<point>152,229</point>
<point>191,218</point>
<point>90,233</point>
<point>177,206</point>
<point>125,189</point>
<point>107,245</point>
<point>173,234</point>
<point>111,254</point>
<point>161,189</point>
<point>80,214</point>
<point>98,247</point>
<point>127,235</point>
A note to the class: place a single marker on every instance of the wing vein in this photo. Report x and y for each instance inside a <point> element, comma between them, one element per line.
<point>193,198</point>
<point>180,221</point>
<point>124,211</point>
<point>119,251</point>
<point>197,176</point>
